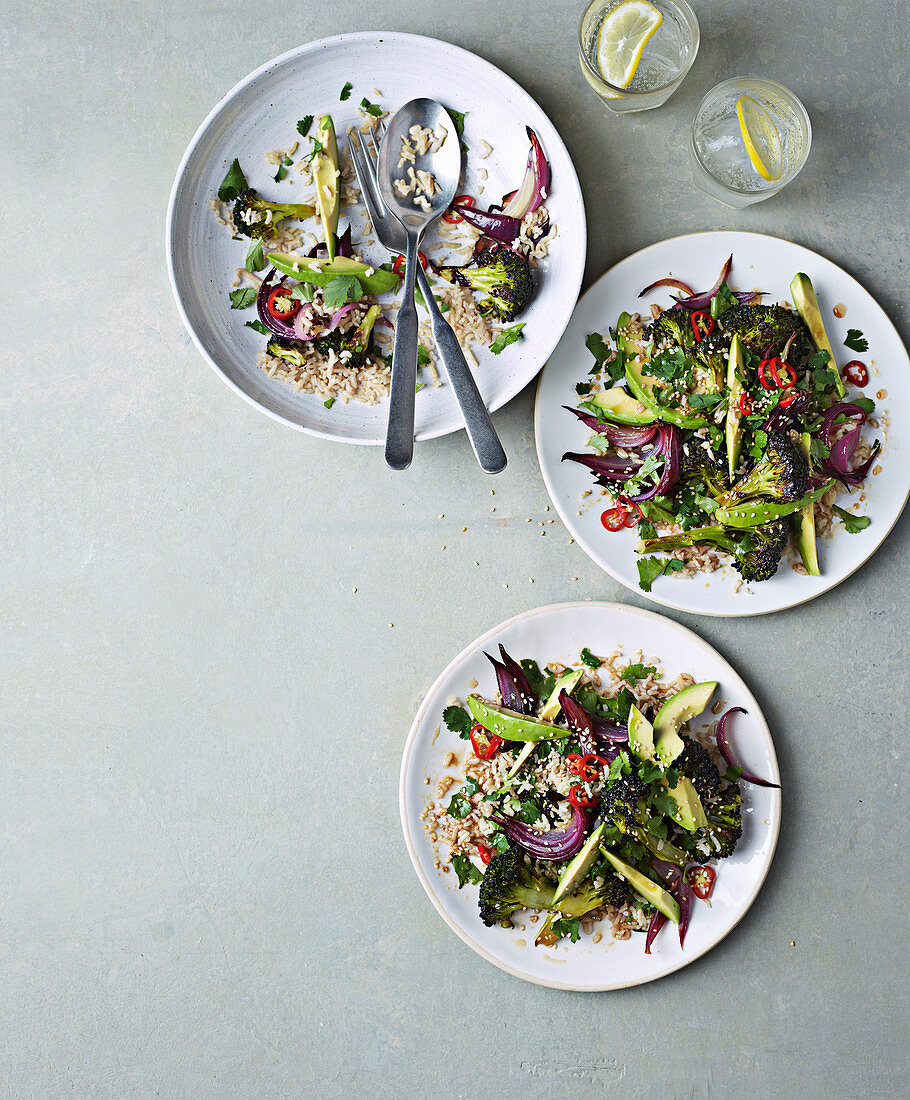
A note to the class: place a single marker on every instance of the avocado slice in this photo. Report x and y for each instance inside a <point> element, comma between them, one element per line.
<point>690,814</point>
<point>327,179</point>
<point>806,301</point>
<point>734,416</point>
<point>578,867</point>
<point>642,885</point>
<point>618,405</point>
<point>512,726</point>
<point>674,713</point>
<point>643,388</point>
<point>802,523</point>
<point>641,735</point>
<point>320,272</point>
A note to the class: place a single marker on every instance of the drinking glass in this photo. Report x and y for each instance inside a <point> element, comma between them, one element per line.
<point>667,57</point>
<point>750,137</point>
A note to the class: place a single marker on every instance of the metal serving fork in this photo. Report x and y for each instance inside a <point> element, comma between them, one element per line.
<point>391,234</point>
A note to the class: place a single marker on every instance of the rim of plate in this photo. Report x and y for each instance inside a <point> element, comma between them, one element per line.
<point>413,40</point>
<point>605,606</point>
<point>680,605</point>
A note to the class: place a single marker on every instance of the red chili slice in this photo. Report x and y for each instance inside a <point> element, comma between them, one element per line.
<point>632,514</point>
<point>398,265</point>
<point>484,743</point>
<point>485,853</point>
<point>451,215</point>
<point>613,519</point>
<point>787,401</point>
<point>591,767</point>
<point>856,373</point>
<point>579,797</point>
<point>701,879</point>
<point>700,315</point>
<point>573,763</point>
<point>289,306</point>
<point>745,404</point>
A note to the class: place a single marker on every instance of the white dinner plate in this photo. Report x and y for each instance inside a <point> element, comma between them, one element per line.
<point>759,262</point>
<point>558,633</point>
<point>261,114</point>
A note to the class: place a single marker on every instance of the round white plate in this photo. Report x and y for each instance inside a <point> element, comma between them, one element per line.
<point>558,633</point>
<point>261,113</point>
<point>759,262</point>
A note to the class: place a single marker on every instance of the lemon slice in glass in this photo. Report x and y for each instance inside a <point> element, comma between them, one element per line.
<point>760,137</point>
<point>623,35</point>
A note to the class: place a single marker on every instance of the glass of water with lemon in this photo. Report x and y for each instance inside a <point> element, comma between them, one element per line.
<point>635,53</point>
<point>750,137</point>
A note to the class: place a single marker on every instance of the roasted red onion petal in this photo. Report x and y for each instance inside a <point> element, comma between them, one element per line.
<point>556,844</point>
<point>703,301</point>
<point>339,314</point>
<point>500,227</point>
<point>684,894</point>
<point>727,753</point>
<point>670,443</point>
<point>618,434</point>
<point>658,920</point>
<point>536,180</point>
<point>669,872</point>
<point>301,332</point>
<point>582,721</point>
<point>781,416</point>
<point>841,450</point>
<point>678,284</point>
<point>508,689</point>
<point>517,673</point>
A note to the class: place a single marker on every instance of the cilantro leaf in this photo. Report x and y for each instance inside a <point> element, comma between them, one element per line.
<point>329,402</point>
<point>423,356</point>
<point>590,659</point>
<point>566,926</point>
<point>459,806</point>
<point>242,297</point>
<point>280,174</point>
<point>542,683</point>
<point>853,523</point>
<point>371,108</point>
<point>664,804</point>
<point>704,400</point>
<point>600,349</point>
<point>649,569</point>
<point>233,183</point>
<point>458,721</point>
<point>255,261</point>
<point>346,91</point>
<point>466,871</point>
<point>528,811</point>
<point>341,289</point>
<point>507,336</point>
<point>303,126</point>
<point>864,403</point>
<point>855,341</point>
<point>458,118</point>
<point>637,672</point>
<point>257,326</point>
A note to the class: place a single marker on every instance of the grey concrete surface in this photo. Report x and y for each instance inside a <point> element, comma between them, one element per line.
<point>203,887</point>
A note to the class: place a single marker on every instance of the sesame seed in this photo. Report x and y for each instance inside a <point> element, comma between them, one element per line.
<point>353,589</point>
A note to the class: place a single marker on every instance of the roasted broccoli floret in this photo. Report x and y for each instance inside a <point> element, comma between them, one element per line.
<point>673,328</point>
<point>757,550</point>
<point>623,806</point>
<point>503,277</point>
<point>712,355</point>
<point>695,763</point>
<point>254,217</point>
<point>508,886</point>
<point>763,329</point>
<point>711,469</point>
<point>725,822</point>
<point>351,346</point>
<point>780,475</point>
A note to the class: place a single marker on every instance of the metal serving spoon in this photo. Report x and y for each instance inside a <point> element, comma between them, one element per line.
<point>443,161</point>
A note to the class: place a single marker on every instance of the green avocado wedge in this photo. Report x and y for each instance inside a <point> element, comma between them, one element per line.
<point>690,814</point>
<point>320,272</point>
<point>512,726</point>
<point>578,867</point>
<point>644,887</point>
<point>641,735</point>
<point>806,301</point>
<point>802,524</point>
<point>675,712</point>
<point>621,407</point>
<point>327,180</point>
<point>643,388</point>
<point>734,431</point>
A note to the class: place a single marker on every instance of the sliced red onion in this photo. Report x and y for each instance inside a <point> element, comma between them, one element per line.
<point>508,689</point>
<point>341,313</point>
<point>537,180</point>
<point>727,753</point>
<point>344,243</point>
<point>678,284</point>
<point>284,329</point>
<point>619,435</point>
<point>517,673</point>
<point>841,450</point>
<point>684,894</point>
<point>658,920</point>
<point>703,301</point>
<point>301,332</point>
<point>611,467</point>
<point>503,228</point>
<point>583,722</point>
<point>669,872</point>
<point>671,445</point>
<point>555,844</point>
<point>782,417</point>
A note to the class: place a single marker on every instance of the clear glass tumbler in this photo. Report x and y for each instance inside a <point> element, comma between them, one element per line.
<point>667,56</point>
<point>750,137</point>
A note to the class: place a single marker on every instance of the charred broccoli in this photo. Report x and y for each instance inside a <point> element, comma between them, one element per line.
<point>710,468</point>
<point>623,807</point>
<point>254,217</point>
<point>672,328</point>
<point>763,329</point>
<point>508,886</point>
<point>503,276</point>
<point>725,822</point>
<point>780,475</point>
<point>757,551</point>
<point>695,763</point>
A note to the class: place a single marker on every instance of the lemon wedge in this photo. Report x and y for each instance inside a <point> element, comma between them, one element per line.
<point>760,137</point>
<point>623,34</point>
